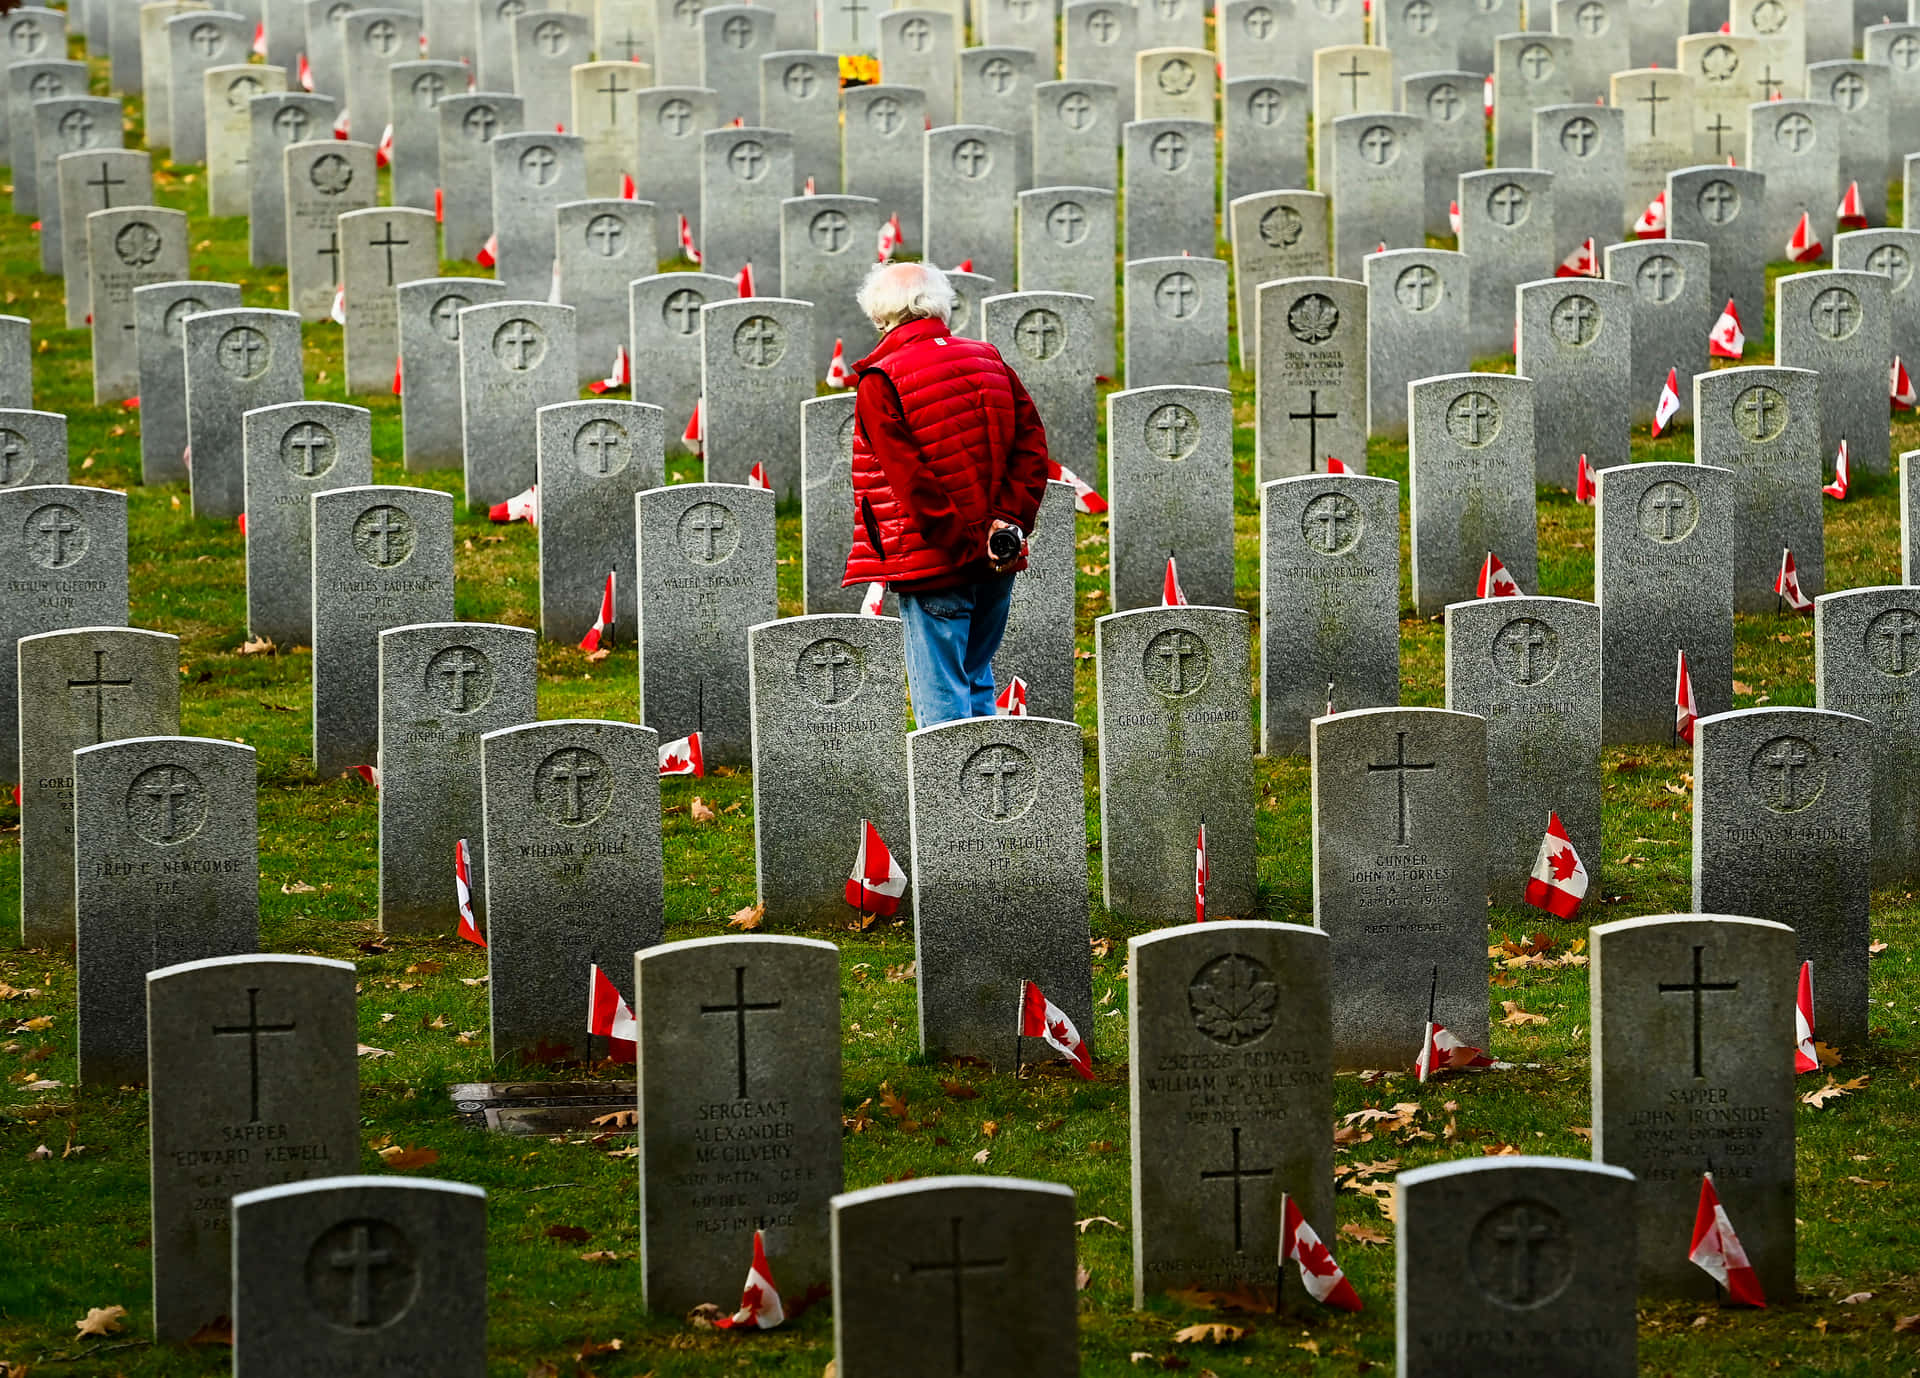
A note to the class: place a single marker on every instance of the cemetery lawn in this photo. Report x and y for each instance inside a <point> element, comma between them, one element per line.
<point>563,1236</point>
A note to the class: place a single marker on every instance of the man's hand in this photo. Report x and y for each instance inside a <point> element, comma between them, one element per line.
<point>1002,566</point>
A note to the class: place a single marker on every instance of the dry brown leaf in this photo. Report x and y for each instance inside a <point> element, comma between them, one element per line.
<point>298,887</point>
<point>1311,1346</point>
<point>597,656</point>
<point>100,1320</point>
<point>1209,1332</point>
<point>1855,1298</point>
<point>594,1348</point>
<point>569,1234</point>
<point>981,1156</point>
<point>39,1024</point>
<point>1907,1325</point>
<point>958,1090</point>
<point>440,1021</point>
<point>407,1159</point>
<point>1363,1234</point>
<point>1832,1091</point>
<point>897,974</point>
<point>1082,1275</point>
<point>1092,1220</point>
<point>1875,948</point>
<point>428,967</point>
<point>748,919</point>
<point>1100,1146</point>
<point>606,1258</point>
<point>259,645</point>
<point>1517,1016</point>
<point>368,1050</point>
<point>700,811</point>
<point>619,1119</point>
<point>1581,1131</point>
<point>989,1127</point>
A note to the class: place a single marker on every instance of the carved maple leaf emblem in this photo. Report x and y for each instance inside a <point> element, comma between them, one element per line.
<point>1313,319</point>
<point>1232,1001</point>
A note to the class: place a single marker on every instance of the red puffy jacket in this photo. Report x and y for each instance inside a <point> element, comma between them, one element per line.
<point>945,441</point>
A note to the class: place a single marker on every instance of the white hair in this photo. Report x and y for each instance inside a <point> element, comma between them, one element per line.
<point>898,292</point>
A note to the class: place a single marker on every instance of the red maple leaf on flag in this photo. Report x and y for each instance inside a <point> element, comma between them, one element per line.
<point>1064,1032</point>
<point>1563,863</point>
<point>1317,1259</point>
<point>750,1300</point>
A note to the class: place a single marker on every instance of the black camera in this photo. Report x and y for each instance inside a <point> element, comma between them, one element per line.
<point>1004,544</point>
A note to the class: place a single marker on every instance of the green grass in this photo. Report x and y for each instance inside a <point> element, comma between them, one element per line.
<point>73,1229</point>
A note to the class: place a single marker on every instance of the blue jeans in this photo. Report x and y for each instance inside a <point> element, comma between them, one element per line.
<point>952,637</point>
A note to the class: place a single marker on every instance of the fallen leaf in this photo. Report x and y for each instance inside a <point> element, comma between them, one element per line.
<point>593,1348</point>
<point>569,1234</point>
<point>40,1154</point>
<point>218,1331</point>
<point>259,645</point>
<point>39,1024</point>
<point>426,968</point>
<point>1907,1325</point>
<point>1832,1091</point>
<point>1581,1131</point>
<point>981,1156</point>
<point>1875,948</point>
<point>298,887</point>
<point>989,1127</point>
<point>1209,1332</point>
<point>1100,1146</point>
<point>1517,1016</point>
<point>619,1119</point>
<point>100,1320</point>
<point>1082,1275</point>
<point>749,918</point>
<point>701,813</point>
<point>897,974</point>
<point>958,1090</point>
<point>1255,1301</point>
<point>406,1159</point>
<point>1363,1234</point>
<point>1855,1298</point>
<point>1311,1346</point>
<point>606,1258</point>
<point>1092,1220</point>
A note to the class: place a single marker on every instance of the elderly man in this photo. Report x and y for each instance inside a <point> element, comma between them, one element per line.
<point>949,466</point>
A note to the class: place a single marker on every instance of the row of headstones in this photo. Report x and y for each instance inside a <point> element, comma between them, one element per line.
<point>1231,1103</point>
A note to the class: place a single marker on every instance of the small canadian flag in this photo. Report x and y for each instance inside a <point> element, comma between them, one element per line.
<point>1319,1274</point>
<point>808,190</point>
<point>383,151</point>
<point>760,1305</point>
<point>743,281</point>
<point>1495,582</point>
<point>1585,490</point>
<point>489,252</point>
<point>695,432</point>
<point>602,627</point>
<point>610,1016</point>
<point>553,285</point>
<point>1806,1057</point>
<point>1559,879</point>
<point>838,374</point>
<point>304,73</point>
<point>1685,711</point>
<point>1442,1050</point>
<point>1803,246</point>
<point>620,377</point>
<point>1336,465</point>
<point>1200,875</point>
<point>1085,499</point>
<point>1900,387</point>
<point>260,41</point>
<point>757,477</point>
<point>1011,702</point>
<point>1668,406</point>
<point>1041,1018</point>
<point>629,190</point>
<point>1728,340</point>
<point>1453,216</point>
<point>873,599</point>
<point>877,882</point>
<point>1717,1250</point>
<point>463,893</point>
<point>343,126</point>
<point>368,775</point>
<point>682,757</point>
<point>1171,594</point>
<point>965,265</point>
<point>1652,223</point>
<point>1852,214</point>
<point>521,507</point>
<point>687,249</point>
<point>1787,583</point>
<point>889,240</point>
<point>439,206</point>
<point>1842,474</point>
<point>396,375</point>
<point>337,313</point>
<point>1581,263</point>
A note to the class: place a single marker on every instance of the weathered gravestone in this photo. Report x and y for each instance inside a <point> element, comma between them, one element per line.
<point>827,506</point>
<point>380,248</point>
<point>593,457</point>
<point>823,261</point>
<point>1692,1015</point>
<point>1255,39</point>
<point>1170,482</point>
<point>570,814</point>
<point>800,93</point>
<point>1310,376</point>
<point>1047,339</point>
<point>33,448</point>
<point>414,91</point>
<point>995,88</point>
<point>676,49</point>
<point>999,881</point>
<point>1783,830</point>
<point>70,124</point>
<point>1416,328</point>
<point>1893,254</point>
<point>1764,424</point>
<point>1531,70</point>
<point>1454,135</point>
<point>1663,577</point>
<point>1784,21</point>
<point>155,62</point>
<point>954,1275</point>
<point>515,358</point>
<point>533,174</point>
<point>372,40</point>
<point>1479,32</point>
<point>127,247</point>
<point>1729,75</point>
<point>16,362</point>
<point>292,451</point>
<point>1174,691</point>
<point>1470,461</point>
<point>123,42</point>
<point>706,574</point>
<point>1176,322</point>
<point>625,29</point>
<point>382,557</point>
<point>665,315</point>
<point>395,1277</point>
<point>1862,652</point>
<point>1399,877</point>
<point>1502,1260</point>
<point>276,121</point>
<point>745,173</point>
<point>1673,314</point>
<point>443,686</point>
<point>1795,145</point>
<point>546,44</point>
<point>33,33</point>
<point>89,182</point>
<point>427,321</point>
<point>87,685</point>
<point>1039,643</point>
<point>262,1045</point>
<point>1601,45</point>
<point>1076,134</point>
<point>29,83</point>
<point>1013,24</point>
<point>756,368</point>
<point>492,54</point>
<point>969,182</point>
<point>1172,82</point>
<point>1576,347</point>
<point>1275,235</point>
<point>600,246</point>
<point>1098,41</point>
<point>970,291</point>
<point>1585,148</point>
<point>1423,36</point>
<point>739,1112</point>
<point>166,869</point>
<point>1898,47</point>
<point>1653,28</point>
<point>1725,208</point>
<point>468,126</point>
<point>325,178</point>
<point>1231,1080</point>
<point>63,559</point>
<point>1507,220</point>
<point>1329,601</point>
<point>1067,245</point>
<point>883,143</point>
<point>195,42</point>
<point>1531,668</point>
<point>829,709</point>
<point>733,39</point>
<point>1169,189</point>
<point>1862,93</point>
<point>1263,135</point>
<point>1348,79</point>
<point>1659,128</point>
<point>236,360</point>
<point>1840,325</point>
<point>326,45</point>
